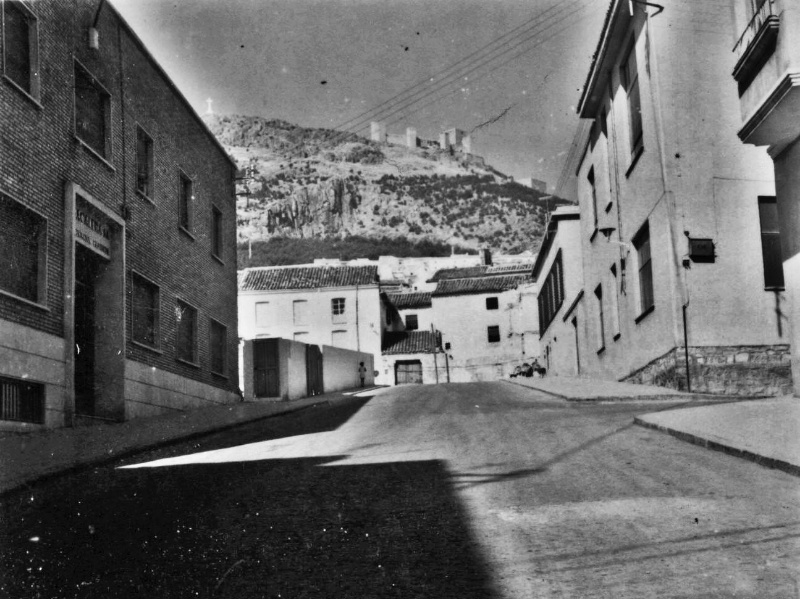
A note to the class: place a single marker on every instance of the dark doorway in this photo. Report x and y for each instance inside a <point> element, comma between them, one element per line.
<point>266,371</point>
<point>314,370</point>
<point>408,372</point>
<point>87,265</point>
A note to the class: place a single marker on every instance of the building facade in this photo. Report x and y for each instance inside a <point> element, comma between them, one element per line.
<point>677,215</point>
<point>767,74</point>
<point>558,273</point>
<point>487,323</point>
<point>117,228</point>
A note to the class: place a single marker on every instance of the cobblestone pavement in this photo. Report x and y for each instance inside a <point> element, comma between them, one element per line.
<point>474,490</point>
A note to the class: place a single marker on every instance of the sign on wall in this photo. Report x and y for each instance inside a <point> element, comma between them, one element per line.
<point>92,230</point>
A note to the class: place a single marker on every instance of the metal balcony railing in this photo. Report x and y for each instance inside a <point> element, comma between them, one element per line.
<point>763,15</point>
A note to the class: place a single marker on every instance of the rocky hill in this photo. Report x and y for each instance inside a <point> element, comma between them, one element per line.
<point>317,183</point>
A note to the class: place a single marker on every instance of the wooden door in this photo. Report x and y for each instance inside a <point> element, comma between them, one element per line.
<point>314,370</point>
<point>408,372</point>
<point>266,371</point>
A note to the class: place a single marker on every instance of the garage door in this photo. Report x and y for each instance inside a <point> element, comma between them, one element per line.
<point>408,372</point>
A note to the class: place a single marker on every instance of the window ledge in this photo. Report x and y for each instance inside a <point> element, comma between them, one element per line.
<point>26,94</point>
<point>617,336</point>
<point>601,350</point>
<point>151,348</point>
<point>186,232</point>
<point>219,375</point>
<point>217,258</point>
<point>634,160</point>
<point>775,288</point>
<point>28,302</point>
<point>608,207</point>
<point>644,314</point>
<point>145,197</point>
<point>188,362</point>
<point>96,154</point>
<point>594,234</point>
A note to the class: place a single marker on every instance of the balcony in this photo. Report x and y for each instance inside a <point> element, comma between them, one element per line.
<point>756,44</point>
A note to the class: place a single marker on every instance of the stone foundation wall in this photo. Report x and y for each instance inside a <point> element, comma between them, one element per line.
<point>744,370</point>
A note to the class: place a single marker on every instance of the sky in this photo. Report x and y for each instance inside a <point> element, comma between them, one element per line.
<point>428,64</point>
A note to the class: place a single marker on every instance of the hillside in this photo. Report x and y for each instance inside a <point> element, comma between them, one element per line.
<point>317,183</point>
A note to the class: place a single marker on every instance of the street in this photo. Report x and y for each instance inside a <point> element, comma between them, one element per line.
<point>461,490</point>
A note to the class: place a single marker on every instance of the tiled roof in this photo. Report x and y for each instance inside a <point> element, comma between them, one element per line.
<point>273,278</point>
<point>409,342</point>
<point>405,301</point>
<point>469,272</point>
<point>481,285</point>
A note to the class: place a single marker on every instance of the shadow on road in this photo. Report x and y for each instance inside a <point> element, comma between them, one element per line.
<point>272,528</point>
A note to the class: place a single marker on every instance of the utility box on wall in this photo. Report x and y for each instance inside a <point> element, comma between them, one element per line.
<point>701,250</point>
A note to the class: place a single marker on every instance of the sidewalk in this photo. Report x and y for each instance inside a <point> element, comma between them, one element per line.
<point>30,457</point>
<point>585,389</point>
<point>765,431</point>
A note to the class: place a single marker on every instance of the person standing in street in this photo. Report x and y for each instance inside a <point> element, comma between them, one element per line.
<point>362,372</point>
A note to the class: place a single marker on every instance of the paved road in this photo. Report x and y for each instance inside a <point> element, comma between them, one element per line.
<point>477,490</point>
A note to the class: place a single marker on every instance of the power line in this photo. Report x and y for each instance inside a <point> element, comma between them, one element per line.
<point>465,70</point>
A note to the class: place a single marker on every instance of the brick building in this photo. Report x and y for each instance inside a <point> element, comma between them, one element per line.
<point>117,227</point>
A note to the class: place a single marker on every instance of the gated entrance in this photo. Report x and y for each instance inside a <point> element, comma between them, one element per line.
<point>314,370</point>
<point>407,372</point>
<point>266,373</point>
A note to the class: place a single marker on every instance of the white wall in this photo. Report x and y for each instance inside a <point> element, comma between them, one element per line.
<point>340,369</point>
<point>464,320</point>
<point>360,329</point>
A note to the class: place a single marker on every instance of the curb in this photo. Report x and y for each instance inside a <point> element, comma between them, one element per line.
<point>761,460</point>
<point>16,487</point>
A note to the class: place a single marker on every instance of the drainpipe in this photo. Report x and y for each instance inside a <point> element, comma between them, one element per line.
<point>679,301</point>
<point>358,333</point>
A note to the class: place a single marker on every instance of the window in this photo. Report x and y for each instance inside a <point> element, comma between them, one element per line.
<point>185,198</point>
<point>186,345</point>
<point>144,163</point>
<point>551,295</point>
<point>614,302</point>
<point>21,401</point>
<point>601,327</point>
<point>216,232</point>
<point>492,303</point>
<point>770,242</point>
<point>23,251</point>
<point>642,245</point>
<point>753,6</point>
<point>262,314</point>
<point>593,189</point>
<point>337,310</point>
<point>20,47</point>
<point>300,312</point>
<point>630,81</point>
<point>219,346</point>
<point>339,338</point>
<point>144,311</point>
<point>92,112</point>
<point>412,324</point>
<point>493,334</point>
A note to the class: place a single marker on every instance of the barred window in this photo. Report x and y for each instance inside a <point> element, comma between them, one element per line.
<point>144,163</point>
<point>186,317</point>
<point>144,311</point>
<point>216,232</point>
<point>630,80</point>
<point>219,346</point>
<point>551,294</point>
<point>20,47</point>
<point>770,242</point>
<point>641,242</point>
<point>92,112</point>
<point>23,251</point>
<point>338,310</point>
<point>185,198</point>
<point>21,401</point>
